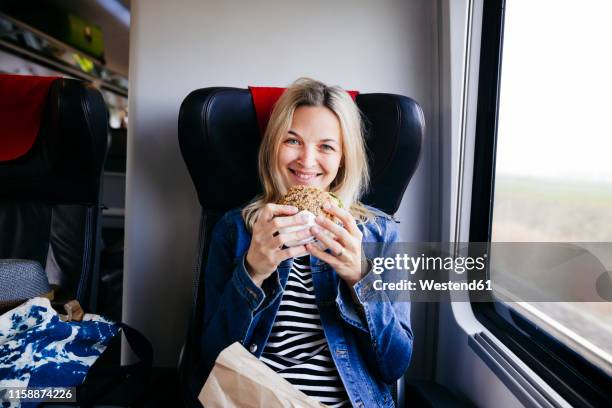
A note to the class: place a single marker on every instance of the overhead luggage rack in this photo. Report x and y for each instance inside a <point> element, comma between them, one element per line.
<point>20,38</point>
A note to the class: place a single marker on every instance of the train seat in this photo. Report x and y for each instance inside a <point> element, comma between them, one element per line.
<point>50,175</point>
<point>219,138</point>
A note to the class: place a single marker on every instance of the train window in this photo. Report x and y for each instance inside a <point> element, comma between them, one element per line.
<point>543,176</point>
<point>553,116</point>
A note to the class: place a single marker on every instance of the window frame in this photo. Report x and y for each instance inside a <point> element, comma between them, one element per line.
<point>577,380</point>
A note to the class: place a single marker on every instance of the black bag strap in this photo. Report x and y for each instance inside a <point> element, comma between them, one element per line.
<point>101,380</point>
<point>141,347</point>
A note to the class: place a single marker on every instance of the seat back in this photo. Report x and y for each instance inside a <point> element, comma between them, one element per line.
<point>50,195</point>
<point>219,139</point>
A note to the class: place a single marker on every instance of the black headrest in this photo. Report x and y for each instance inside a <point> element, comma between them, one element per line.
<point>65,163</point>
<point>219,139</point>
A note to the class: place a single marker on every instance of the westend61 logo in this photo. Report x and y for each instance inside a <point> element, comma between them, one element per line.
<point>414,264</point>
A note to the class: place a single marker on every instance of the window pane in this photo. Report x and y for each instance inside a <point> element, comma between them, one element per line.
<point>553,180</point>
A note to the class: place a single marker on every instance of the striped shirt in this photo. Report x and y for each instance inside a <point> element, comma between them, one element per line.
<point>297,349</point>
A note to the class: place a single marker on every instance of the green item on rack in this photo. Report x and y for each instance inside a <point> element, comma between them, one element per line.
<point>85,37</point>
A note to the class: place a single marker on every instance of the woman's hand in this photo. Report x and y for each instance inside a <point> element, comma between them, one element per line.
<point>344,244</point>
<point>266,250</point>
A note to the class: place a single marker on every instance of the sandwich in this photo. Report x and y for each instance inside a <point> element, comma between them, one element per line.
<point>309,201</point>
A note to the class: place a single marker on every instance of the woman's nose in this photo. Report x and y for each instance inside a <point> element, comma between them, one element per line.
<point>308,157</point>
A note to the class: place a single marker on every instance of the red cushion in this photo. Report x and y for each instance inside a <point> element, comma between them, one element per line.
<point>22,101</point>
<point>264,98</point>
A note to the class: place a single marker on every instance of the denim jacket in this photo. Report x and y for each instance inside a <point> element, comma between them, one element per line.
<point>371,348</point>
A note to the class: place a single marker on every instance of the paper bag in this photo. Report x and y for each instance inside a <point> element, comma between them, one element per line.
<point>240,380</point>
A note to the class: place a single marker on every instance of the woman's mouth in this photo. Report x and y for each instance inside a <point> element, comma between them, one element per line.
<point>304,176</point>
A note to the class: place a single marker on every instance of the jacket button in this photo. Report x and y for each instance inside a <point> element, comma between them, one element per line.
<point>253,348</point>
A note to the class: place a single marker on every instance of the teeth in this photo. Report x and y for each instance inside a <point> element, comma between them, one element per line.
<point>304,176</point>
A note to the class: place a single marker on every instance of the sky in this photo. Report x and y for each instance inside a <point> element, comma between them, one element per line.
<point>555,117</point>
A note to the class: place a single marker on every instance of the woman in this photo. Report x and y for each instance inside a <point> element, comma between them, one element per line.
<point>310,314</point>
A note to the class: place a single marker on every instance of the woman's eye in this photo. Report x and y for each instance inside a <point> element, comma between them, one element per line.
<point>292,141</point>
<point>328,147</point>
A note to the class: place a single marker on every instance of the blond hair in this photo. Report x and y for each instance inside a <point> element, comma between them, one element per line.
<point>353,176</point>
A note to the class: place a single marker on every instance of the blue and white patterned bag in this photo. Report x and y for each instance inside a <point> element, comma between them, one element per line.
<point>38,349</point>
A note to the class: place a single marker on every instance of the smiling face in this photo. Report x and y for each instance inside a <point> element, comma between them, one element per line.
<point>311,152</point>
